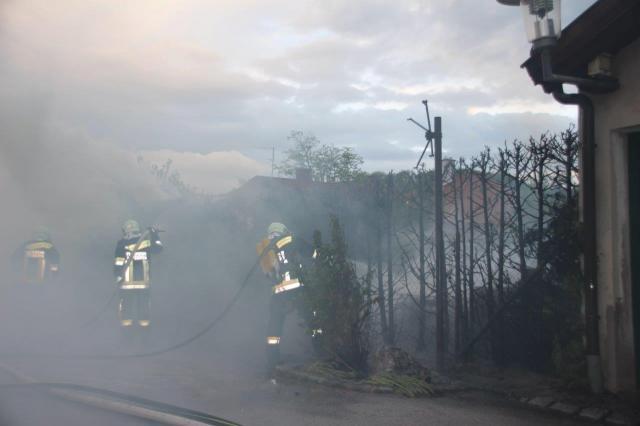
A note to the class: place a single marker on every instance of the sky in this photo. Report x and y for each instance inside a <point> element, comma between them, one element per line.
<point>215,84</point>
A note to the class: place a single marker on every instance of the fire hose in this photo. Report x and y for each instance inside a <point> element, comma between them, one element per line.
<point>118,402</point>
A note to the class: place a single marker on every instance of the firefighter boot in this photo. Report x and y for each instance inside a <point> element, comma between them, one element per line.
<point>273,355</point>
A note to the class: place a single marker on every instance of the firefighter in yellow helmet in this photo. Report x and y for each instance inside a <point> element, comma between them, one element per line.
<point>132,270</point>
<point>282,260</point>
<point>37,260</point>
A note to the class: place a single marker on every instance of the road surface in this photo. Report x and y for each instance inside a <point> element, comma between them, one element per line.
<point>221,374</point>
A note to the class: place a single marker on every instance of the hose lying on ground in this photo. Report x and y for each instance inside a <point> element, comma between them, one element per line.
<point>127,404</point>
<point>206,329</point>
<point>118,402</point>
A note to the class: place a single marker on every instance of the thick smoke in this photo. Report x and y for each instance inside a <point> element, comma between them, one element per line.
<point>63,180</point>
<point>82,188</point>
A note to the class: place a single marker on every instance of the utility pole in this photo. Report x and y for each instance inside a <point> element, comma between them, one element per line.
<point>441,273</point>
<point>273,159</point>
<point>434,141</point>
<point>273,156</point>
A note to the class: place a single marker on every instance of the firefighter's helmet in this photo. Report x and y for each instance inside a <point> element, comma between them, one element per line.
<point>277,229</point>
<point>131,228</point>
<point>42,234</point>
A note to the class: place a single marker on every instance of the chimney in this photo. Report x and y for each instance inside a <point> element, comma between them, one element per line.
<point>448,167</point>
<point>447,163</point>
<point>303,175</point>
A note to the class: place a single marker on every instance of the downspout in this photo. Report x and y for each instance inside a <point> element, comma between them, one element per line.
<point>552,83</point>
<point>590,260</point>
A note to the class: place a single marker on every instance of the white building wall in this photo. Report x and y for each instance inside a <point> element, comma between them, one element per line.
<point>617,114</point>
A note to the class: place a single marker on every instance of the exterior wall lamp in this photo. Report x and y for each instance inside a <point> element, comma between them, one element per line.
<point>541,20</point>
<point>543,28</point>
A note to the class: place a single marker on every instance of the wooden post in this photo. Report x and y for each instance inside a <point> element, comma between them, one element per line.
<point>441,282</point>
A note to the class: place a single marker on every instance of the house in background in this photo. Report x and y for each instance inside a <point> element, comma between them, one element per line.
<point>304,205</point>
<point>605,42</point>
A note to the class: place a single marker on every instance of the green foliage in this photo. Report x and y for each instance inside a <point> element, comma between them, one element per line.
<point>563,296</point>
<point>327,162</point>
<point>408,386</point>
<point>301,154</point>
<point>332,371</point>
<point>546,325</point>
<point>337,296</point>
<point>405,385</point>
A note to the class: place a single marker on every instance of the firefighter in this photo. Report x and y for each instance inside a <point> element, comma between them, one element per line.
<point>132,270</point>
<point>38,260</point>
<point>282,260</point>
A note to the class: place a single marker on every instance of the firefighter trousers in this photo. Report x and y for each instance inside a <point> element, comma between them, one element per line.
<point>134,307</point>
<point>280,306</point>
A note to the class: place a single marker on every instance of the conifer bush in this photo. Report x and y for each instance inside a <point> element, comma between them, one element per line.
<point>337,297</point>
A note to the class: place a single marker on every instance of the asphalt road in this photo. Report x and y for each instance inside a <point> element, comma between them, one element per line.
<point>230,383</point>
<point>258,402</point>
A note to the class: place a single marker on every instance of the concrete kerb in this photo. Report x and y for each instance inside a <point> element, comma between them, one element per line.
<point>565,408</point>
<point>620,419</point>
<point>547,403</point>
<point>595,414</point>
<point>541,401</point>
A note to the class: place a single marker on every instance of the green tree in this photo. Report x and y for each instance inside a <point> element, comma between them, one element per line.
<point>301,154</point>
<point>338,297</point>
<point>562,288</point>
<point>325,164</point>
<point>349,164</point>
<point>328,163</point>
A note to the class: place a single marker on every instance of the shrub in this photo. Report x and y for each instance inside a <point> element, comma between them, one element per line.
<point>337,296</point>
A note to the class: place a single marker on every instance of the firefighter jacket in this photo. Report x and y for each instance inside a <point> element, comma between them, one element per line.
<point>282,262</point>
<point>136,274</point>
<point>37,261</point>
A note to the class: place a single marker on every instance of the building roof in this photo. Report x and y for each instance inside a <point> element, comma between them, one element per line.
<point>606,27</point>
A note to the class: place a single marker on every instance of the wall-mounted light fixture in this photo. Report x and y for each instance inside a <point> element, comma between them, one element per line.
<point>541,20</point>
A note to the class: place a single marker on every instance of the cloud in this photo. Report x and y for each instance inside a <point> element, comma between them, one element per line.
<point>519,107</point>
<point>204,76</point>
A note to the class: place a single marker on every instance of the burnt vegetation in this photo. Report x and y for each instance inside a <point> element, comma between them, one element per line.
<point>512,249</point>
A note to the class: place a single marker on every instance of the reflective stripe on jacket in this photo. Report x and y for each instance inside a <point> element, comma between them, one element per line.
<point>287,265</point>
<point>38,261</point>
<point>138,272</point>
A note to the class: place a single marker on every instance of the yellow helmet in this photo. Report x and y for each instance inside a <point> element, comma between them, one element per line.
<point>42,234</point>
<point>277,229</point>
<point>131,228</point>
